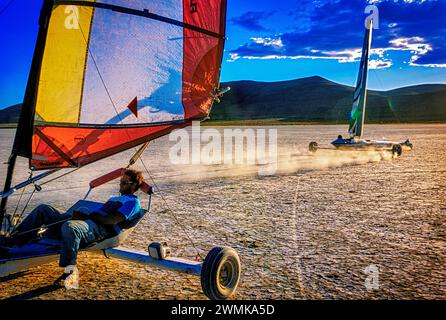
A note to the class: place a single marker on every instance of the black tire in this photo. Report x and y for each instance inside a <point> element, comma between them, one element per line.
<point>312,146</point>
<point>397,150</point>
<point>220,273</point>
<point>408,144</point>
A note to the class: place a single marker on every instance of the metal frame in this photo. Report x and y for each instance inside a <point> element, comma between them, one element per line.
<point>23,184</point>
<point>141,13</point>
<point>171,263</point>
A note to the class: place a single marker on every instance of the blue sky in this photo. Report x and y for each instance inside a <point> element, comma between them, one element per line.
<point>282,40</point>
<point>293,39</point>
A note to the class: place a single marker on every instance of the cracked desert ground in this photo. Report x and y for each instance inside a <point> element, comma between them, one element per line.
<point>309,231</point>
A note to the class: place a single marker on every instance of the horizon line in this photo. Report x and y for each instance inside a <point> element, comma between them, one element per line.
<point>293,79</point>
<point>340,83</point>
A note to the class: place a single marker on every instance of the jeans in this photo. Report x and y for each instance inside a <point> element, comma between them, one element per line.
<point>72,233</point>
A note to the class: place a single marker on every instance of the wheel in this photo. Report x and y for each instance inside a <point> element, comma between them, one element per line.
<point>397,150</point>
<point>408,144</point>
<point>220,273</point>
<point>312,147</point>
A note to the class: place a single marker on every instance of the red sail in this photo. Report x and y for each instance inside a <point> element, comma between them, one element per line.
<point>166,53</point>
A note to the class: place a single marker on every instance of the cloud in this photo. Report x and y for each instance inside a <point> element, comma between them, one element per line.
<point>253,20</point>
<point>435,58</point>
<point>380,64</point>
<point>269,42</point>
<point>336,32</point>
<point>258,48</point>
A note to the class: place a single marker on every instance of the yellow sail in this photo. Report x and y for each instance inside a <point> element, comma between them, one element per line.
<point>62,74</point>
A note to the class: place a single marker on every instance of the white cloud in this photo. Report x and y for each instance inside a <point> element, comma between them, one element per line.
<point>233,57</point>
<point>268,42</point>
<point>430,65</point>
<point>415,45</point>
<point>379,64</point>
<point>378,51</point>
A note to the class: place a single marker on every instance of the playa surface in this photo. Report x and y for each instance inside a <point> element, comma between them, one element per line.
<point>316,229</point>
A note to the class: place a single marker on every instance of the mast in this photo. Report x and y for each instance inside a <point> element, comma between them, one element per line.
<point>360,96</point>
<point>22,140</point>
<point>60,138</point>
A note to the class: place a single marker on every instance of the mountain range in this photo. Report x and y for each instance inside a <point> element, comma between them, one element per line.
<point>316,99</point>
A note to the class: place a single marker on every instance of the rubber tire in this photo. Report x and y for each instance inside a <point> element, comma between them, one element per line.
<point>397,150</point>
<point>409,144</point>
<point>312,147</point>
<point>210,273</point>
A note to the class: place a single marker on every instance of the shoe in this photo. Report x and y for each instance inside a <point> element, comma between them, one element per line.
<point>69,279</point>
<point>60,282</point>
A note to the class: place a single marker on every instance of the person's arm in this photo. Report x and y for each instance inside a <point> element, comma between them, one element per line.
<point>110,215</point>
<point>79,215</point>
<point>111,218</point>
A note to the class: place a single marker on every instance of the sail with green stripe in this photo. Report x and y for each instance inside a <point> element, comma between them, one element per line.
<point>357,115</point>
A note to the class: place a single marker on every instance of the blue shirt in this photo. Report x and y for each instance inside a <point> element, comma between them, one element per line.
<point>128,205</point>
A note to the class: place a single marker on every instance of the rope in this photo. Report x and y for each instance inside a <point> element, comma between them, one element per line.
<point>11,228</point>
<point>129,139</point>
<point>12,219</point>
<point>58,177</point>
<point>387,97</point>
<point>198,256</point>
<point>42,227</point>
<point>23,211</point>
<point>18,202</point>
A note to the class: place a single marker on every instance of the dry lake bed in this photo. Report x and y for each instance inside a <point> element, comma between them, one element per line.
<point>319,228</point>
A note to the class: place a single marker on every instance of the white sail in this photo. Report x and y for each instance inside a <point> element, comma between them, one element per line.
<point>360,96</point>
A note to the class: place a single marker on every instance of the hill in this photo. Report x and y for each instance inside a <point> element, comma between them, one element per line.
<point>316,99</point>
<point>10,114</point>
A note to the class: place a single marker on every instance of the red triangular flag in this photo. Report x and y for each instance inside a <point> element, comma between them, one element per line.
<point>133,106</point>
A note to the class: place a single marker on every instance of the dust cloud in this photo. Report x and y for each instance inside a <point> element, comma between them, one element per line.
<point>287,162</point>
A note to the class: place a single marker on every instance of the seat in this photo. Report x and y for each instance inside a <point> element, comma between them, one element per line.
<point>126,226</point>
<point>134,221</point>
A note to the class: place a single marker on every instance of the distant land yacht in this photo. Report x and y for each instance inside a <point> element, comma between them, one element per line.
<point>354,142</point>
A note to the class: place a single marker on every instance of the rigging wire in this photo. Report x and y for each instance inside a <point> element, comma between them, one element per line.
<point>42,227</point>
<point>97,68</point>
<point>36,188</point>
<point>389,102</point>
<point>66,172</point>
<point>23,211</point>
<point>171,211</point>
<point>12,217</point>
<point>356,173</point>
<point>129,140</point>
<point>58,177</point>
